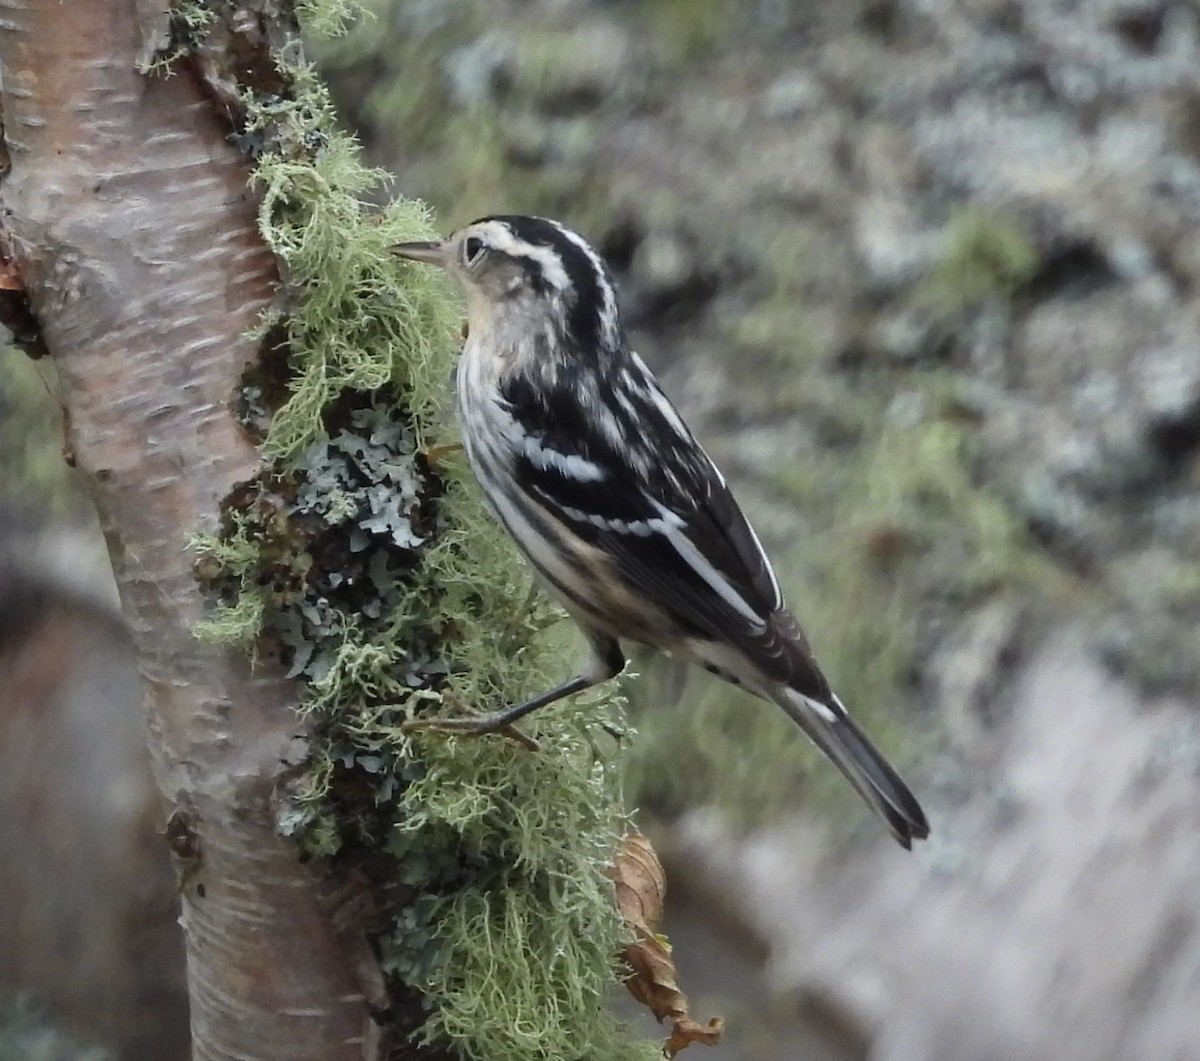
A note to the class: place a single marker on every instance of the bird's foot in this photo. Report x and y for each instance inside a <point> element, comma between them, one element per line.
<point>476,726</point>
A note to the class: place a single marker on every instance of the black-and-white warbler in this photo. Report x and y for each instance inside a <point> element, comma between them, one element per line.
<point>625,518</point>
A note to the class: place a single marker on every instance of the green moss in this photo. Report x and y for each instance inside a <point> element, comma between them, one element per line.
<point>986,256</point>
<point>687,29</point>
<point>777,330</point>
<point>1181,590</point>
<point>384,587</point>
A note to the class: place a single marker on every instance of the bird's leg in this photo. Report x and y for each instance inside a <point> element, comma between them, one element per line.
<point>606,660</point>
<point>477,725</point>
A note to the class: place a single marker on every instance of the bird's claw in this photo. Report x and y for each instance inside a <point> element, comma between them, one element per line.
<point>470,727</point>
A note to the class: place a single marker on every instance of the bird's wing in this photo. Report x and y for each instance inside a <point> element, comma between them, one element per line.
<point>648,495</point>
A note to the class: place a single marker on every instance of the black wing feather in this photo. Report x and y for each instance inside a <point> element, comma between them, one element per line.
<point>677,475</point>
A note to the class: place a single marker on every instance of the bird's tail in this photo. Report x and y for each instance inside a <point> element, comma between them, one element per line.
<point>832,730</point>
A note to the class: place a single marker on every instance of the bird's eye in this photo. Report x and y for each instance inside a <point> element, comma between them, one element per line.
<point>472,249</point>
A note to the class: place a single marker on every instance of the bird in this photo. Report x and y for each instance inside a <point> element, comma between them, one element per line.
<point>621,513</point>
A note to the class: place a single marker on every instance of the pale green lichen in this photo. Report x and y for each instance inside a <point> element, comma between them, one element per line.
<point>388,591</point>
<point>358,325</point>
<point>528,966</point>
<point>330,18</point>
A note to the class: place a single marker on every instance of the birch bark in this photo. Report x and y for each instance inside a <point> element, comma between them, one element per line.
<point>127,215</point>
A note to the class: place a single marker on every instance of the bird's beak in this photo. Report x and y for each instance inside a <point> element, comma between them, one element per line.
<point>432,253</point>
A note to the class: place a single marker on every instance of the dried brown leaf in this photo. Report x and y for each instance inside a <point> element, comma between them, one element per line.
<point>641,886</point>
<point>687,1031</point>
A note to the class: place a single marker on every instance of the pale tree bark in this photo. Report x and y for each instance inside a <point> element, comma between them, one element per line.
<point>129,222</point>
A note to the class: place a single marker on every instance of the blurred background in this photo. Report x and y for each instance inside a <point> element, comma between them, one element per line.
<point>922,276</point>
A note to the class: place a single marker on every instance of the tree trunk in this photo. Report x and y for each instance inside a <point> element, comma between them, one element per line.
<point>128,219</point>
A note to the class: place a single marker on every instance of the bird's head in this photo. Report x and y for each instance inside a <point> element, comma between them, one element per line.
<point>527,276</point>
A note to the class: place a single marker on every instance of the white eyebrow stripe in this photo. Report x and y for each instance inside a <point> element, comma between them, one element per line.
<point>568,465</point>
<point>498,235</point>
